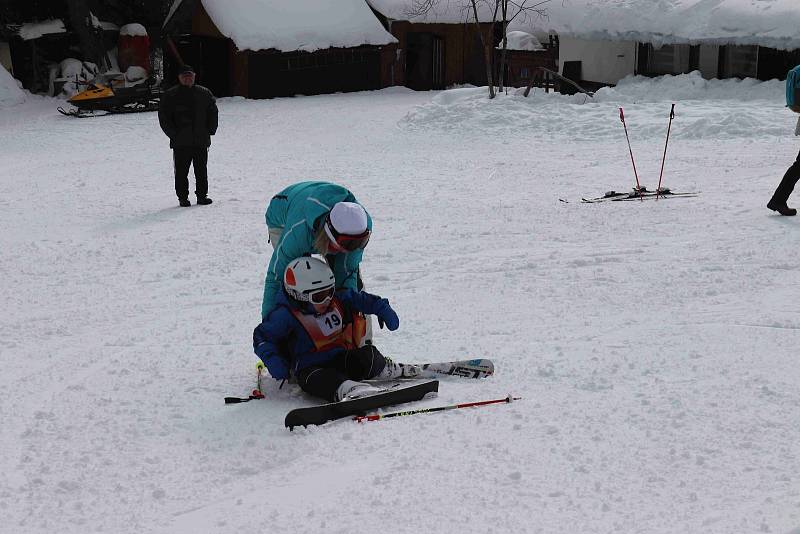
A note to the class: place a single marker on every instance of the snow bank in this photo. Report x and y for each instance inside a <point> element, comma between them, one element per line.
<point>646,101</point>
<point>771,23</point>
<point>10,92</point>
<point>300,25</point>
<point>34,30</point>
<point>691,86</point>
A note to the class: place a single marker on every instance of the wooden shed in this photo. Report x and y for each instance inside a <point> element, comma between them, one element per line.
<point>435,50</point>
<point>259,49</point>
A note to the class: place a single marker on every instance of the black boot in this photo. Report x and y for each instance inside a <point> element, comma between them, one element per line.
<point>184,202</point>
<point>203,201</point>
<point>781,207</point>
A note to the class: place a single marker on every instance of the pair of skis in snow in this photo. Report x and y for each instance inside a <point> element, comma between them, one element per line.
<point>640,192</point>
<point>395,392</point>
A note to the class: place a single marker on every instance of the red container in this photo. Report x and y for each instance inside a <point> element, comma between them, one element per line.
<point>134,47</point>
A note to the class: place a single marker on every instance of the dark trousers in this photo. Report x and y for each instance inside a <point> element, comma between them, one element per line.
<point>184,157</point>
<point>357,364</point>
<point>786,186</point>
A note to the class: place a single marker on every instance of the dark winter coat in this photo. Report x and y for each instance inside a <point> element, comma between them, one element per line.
<point>188,115</point>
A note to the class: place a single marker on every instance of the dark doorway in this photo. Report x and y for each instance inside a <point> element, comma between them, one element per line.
<point>188,47</point>
<point>214,70</point>
<point>573,70</point>
<point>774,63</point>
<point>210,58</point>
<point>475,61</point>
<point>424,61</point>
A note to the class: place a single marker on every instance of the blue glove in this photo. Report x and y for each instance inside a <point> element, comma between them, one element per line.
<point>386,315</point>
<point>277,367</point>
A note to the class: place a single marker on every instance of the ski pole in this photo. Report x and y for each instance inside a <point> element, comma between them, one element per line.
<point>664,158</point>
<point>256,393</point>
<point>376,417</point>
<point>635,174</point>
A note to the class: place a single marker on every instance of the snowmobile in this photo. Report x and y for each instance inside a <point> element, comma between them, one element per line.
<point>102,97</point>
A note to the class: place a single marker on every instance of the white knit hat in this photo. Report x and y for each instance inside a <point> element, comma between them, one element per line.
<point>348,218</point>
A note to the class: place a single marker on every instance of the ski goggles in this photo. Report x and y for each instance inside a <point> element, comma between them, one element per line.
<point>346,242</point>
<point>320,296</point>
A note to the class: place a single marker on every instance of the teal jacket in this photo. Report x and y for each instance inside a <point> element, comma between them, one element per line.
<point>793,87</point>
<point>300,210</point>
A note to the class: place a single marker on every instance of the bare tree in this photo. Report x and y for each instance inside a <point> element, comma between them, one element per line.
<point>526,11</point>
<point>509,10</point>
<point>470,10</point>
<point>91,39</point>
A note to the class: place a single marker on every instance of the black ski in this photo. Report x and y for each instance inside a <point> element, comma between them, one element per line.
<point>396,393</point>
<point>608,196</point>
<point>660,194</point>
<point>641,194</point>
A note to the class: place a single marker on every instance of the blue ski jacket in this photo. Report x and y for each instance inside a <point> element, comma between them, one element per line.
<point>300,210</point>
<point>282,342</point>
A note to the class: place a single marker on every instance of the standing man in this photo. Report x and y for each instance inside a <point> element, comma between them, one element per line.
<point>188,115</point>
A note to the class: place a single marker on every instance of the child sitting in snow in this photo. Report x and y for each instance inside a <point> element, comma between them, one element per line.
<point>313,333</point>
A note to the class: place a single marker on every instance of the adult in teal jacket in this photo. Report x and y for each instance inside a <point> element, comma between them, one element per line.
<point>315,218</point>
<point>780,197</point>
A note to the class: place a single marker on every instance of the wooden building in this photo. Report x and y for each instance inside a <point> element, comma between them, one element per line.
<point>603,43</point>
<point>241,47</point>
<point>523,58</point>
<point>435,50</point>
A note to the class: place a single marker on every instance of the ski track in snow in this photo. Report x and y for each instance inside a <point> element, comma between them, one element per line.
<point>653,342</point>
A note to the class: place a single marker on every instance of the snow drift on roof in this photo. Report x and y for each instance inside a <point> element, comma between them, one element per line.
<point>10,93</point>
<point>517,40</point>
<point>441,11</point>
<point>133,30</point>
<point>34,30</point>
<point>298,24</point>
<point>770,23</point>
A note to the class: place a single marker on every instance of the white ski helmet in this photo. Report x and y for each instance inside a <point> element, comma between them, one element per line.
<point>309,279</point>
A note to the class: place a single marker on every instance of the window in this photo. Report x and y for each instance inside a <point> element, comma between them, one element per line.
<point>740,62</point>
<point>668,59</point>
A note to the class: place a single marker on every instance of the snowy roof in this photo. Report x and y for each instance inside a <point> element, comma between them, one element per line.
<point>34,30</point>
<point>295,25</point>
<point>770,23</point>
<point>441,11</point>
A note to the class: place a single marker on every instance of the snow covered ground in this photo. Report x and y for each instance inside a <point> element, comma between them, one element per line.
<point>654,343</point>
